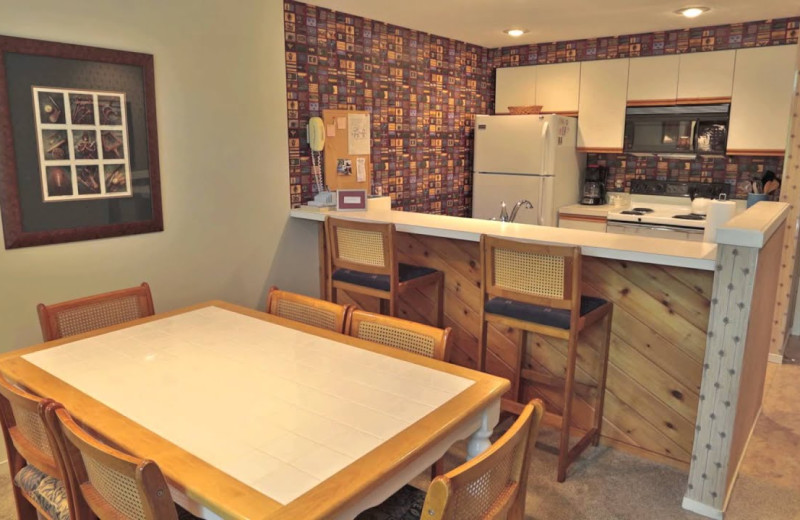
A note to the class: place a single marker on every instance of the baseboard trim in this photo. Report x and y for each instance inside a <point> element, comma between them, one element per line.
<point>702,509</point>
<point>775,358</point>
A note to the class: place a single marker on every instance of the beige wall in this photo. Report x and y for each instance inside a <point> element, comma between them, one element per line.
<point>220,88</point>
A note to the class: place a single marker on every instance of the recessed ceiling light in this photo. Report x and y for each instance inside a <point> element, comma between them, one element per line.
<point>516,33</point>
<point>692,12</point>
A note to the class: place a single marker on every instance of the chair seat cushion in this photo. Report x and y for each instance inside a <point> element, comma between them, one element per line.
<point>538,313</point>
<point>48,492</point>
<point>406,504</point>
<point>406,272</point>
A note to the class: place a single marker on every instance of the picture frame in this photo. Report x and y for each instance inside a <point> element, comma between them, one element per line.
<point>79,155</point>
<point>351,200</point>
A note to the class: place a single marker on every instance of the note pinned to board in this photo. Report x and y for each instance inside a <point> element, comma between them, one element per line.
<point>330,130</point>
<point>358,134</point>
<point>361,169</point>
<point>341,123</point>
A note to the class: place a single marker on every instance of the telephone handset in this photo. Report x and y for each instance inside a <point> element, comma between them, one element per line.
<point>316,134</point>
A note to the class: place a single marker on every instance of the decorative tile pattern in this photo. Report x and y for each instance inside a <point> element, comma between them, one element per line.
<point>719,392</point>
<point>734,170</point>
<point>782,31</point>
<point>422,92</point>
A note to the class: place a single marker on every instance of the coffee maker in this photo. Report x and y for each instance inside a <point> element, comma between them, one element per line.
<point>594,185</point>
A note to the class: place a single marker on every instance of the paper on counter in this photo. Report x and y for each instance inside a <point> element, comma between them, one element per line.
<point>361,169</point>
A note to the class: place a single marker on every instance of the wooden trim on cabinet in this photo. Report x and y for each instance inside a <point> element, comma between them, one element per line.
<point>595,149</point>
<point>703,101</point>
<point>770,153</point>
<point>651,102</point>
<point>566,113</point>
<point>583,218</point>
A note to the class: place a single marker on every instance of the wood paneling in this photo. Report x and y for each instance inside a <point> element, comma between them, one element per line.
<point>658,341</point>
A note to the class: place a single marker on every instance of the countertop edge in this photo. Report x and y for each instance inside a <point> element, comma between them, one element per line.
<point>755,226</point>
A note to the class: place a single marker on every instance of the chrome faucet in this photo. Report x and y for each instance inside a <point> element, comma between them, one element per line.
<point>504,217</point>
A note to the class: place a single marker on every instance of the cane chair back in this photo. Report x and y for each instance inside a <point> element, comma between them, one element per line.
<point>402,334</point>
<point>94,312</point>
<point>106,482</point>
<point>311,311</point>
<point>362,246</point>
<point>493,484</point>
<point>533,273</point>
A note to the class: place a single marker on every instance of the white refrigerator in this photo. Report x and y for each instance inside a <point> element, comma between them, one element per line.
<point>525,157</point>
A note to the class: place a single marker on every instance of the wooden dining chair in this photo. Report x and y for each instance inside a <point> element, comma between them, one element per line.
<point>403,334</point>
<point>308,310</point>
<point>81,315</point>
<point>39,486</point>
<point>491,485</point>
<point>534,287</point>
<point>361,258</point>
<point>106,483</point>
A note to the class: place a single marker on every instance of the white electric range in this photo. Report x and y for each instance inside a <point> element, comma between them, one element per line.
<point>657,220</point>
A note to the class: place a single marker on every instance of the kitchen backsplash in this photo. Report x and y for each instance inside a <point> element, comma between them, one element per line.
<point>423,91</point>
<point>733,170</point>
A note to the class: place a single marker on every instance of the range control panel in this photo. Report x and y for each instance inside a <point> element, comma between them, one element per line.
<point>711,190</point>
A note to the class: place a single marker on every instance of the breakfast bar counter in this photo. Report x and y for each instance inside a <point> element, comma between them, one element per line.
<point>665,294</point>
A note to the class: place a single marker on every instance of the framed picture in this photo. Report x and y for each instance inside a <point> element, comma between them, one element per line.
<point>78,143</point>
<point>351,200</point>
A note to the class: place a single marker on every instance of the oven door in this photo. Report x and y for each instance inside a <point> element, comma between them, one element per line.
<point>655,231</point>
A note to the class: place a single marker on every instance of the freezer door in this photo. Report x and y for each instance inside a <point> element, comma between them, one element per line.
<point>491,189</point>
<point>510,144</point>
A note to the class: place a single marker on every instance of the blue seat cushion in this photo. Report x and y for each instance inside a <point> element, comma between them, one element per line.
<point>48,492</point>
<point>406,272</point>
<point>538,313</point>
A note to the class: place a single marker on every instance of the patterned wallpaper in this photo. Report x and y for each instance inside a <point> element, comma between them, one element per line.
<point>422,92</point>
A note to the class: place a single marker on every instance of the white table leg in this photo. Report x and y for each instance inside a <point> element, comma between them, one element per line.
<point>479,441</point>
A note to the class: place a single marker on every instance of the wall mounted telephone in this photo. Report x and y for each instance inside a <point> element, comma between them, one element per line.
<point>315,135</point>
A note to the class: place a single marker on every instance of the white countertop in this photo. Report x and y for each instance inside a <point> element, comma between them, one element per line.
<point>753,227</point>
<point>660,251</point>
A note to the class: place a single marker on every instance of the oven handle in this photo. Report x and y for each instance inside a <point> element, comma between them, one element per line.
<point>654,227</point>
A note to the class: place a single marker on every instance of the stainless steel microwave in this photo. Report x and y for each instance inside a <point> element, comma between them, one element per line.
<point>682,129</point>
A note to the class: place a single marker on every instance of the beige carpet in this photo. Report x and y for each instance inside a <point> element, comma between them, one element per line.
<point>606,484</point>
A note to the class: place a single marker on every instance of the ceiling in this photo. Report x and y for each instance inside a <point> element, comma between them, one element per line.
<point>482,22</point>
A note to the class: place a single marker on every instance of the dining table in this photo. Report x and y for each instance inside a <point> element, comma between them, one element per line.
<point>253,416</point>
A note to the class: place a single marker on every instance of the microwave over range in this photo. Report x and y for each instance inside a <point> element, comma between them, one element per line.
<point>682,129</point>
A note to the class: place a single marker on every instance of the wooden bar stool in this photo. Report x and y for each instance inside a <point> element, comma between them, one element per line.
<point>361,258</point>
<point>537,288</point>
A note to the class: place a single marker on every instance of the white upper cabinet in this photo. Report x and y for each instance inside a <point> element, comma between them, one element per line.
<point>706,76</point>
<point>762,99</point>
<point>557,87</point>
<point>653,79</point>
<point>514,86</point>
<point>601,112</point>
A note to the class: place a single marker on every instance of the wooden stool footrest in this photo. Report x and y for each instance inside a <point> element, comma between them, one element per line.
<point>581,389</point>
<point>581,445</point>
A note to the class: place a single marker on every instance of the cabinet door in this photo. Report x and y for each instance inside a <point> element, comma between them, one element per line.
<point>653,80</point>
<point>557,87</point>
<point>514,86</point>
<point>761,100</point>
<point>601,107</point>
<point>705,77</point>
<point>586,224</point>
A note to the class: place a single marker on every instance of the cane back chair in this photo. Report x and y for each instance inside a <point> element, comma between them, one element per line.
<point>403,334</point>
<point>361,258</point>
<point>81,315</point>
<point>311,311</point>
<point>108,484</point>
<point>537,288</point>
<point>39,485</point>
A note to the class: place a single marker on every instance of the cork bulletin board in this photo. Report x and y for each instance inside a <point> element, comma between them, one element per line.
<point>347,150</point>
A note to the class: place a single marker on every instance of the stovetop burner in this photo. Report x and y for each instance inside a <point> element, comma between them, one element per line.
<point>632,212</point>
<point>644,210</point>
<point>690,216</point>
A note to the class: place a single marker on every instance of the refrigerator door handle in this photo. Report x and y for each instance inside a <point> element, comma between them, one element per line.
<point>541,198</point>
<point>545,147</point>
